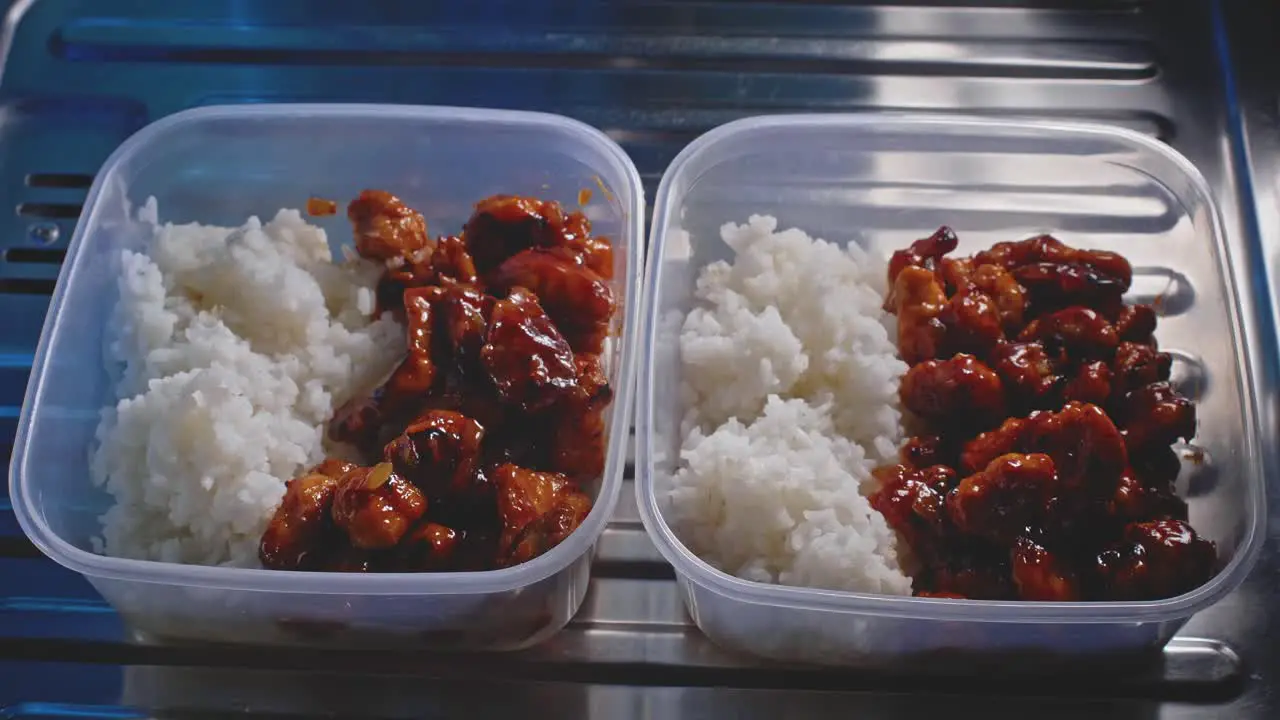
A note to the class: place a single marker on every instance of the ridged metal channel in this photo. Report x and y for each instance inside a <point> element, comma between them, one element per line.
<point>79,77</point>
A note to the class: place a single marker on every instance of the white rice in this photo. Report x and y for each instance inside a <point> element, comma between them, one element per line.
<point>790,384</point>
<point>233,347</point>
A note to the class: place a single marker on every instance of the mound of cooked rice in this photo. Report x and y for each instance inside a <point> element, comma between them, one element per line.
<point>790,384</point>
<point>233,347</point>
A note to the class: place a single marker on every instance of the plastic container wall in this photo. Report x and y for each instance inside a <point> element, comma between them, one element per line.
<point>220,165</point>
<point>884,181</point>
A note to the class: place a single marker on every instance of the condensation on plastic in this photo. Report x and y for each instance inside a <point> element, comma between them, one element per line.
<point>883,181</point>
<point>220,165</point>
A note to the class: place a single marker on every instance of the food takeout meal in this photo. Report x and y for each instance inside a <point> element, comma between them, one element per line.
<point>422,405</point>
<point>992,427</point>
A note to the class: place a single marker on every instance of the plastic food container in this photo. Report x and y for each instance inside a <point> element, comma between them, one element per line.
<point>883,181</point>
<point>221,165</point>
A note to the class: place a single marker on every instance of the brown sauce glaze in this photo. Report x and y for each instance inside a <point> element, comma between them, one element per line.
<point>1043,469</point>
<point>480,441</point>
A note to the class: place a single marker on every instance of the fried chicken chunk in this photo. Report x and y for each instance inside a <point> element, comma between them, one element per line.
<point>295,537</point>
<point>386,228</point>
<point>1001,500</point>
<point>578,301</point>
<point>375,506</point>
<point>530,362</point>
<point>438,452</point>
<point>1155,560</point>
<point>538,510</point>
<point>961,390</point>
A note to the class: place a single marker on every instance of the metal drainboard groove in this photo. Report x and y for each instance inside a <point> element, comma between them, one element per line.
<point>652,75</point>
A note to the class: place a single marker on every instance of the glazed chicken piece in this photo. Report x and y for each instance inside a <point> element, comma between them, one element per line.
<point>302,534</point>
<point>1046,249</point>
<point>429,547</point>
<point>472,511</point>
<point>579,301</point>
<point>1076,527</point>
<point>529,360</point>
<point>924,253</point>
<point>1015,253</point>
<point>1155,560</point>
<point>942,478</point>
<point>962,276</point>
<point>1136,365</point>
<point>504,225</point>
<point>955,272</point>
<point>919,302</point>
<point>468,390</point>
<point>598,256</point>
<point>1156,415</point>
<point>448,262</point>
<point>416,373</point>
<point>913,506</point>
<point>386,229</point>
<point>1041,575</point>
<point>1030,376</point>
<point>1092,384</point>
<point>1003,289</point>
<point>463,313</point>
<point>957,392</point>
<point>980,451</point>
<point>1137,324</point>
<point>973,321</point>
<point>525,495</point>
<point>295,537</point>
<point>905,494</point>
<point>924,451</point>
<point>361,421</point>
<point>1076,332</point>
<point>1000,501</point>
<point>591,376</point>
<point>575,242</point>
<point>577,444</point>
<point>1053,286</point>
<point>538,510</point>
<point>1134,501</point>
<point>1087,448</point>
<point>551,529</point>
<point>438,452</point>
<point>375,506</point>
<point>452,260</point>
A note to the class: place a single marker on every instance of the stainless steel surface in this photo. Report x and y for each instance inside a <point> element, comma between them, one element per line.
<point>80,76</point>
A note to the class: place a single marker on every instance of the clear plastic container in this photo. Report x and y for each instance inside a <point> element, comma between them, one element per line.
<point>883,181</point>
<point>221,165</point>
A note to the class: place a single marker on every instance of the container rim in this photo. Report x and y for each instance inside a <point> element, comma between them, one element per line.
<point>22,487</point>
<point>687,564</point>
